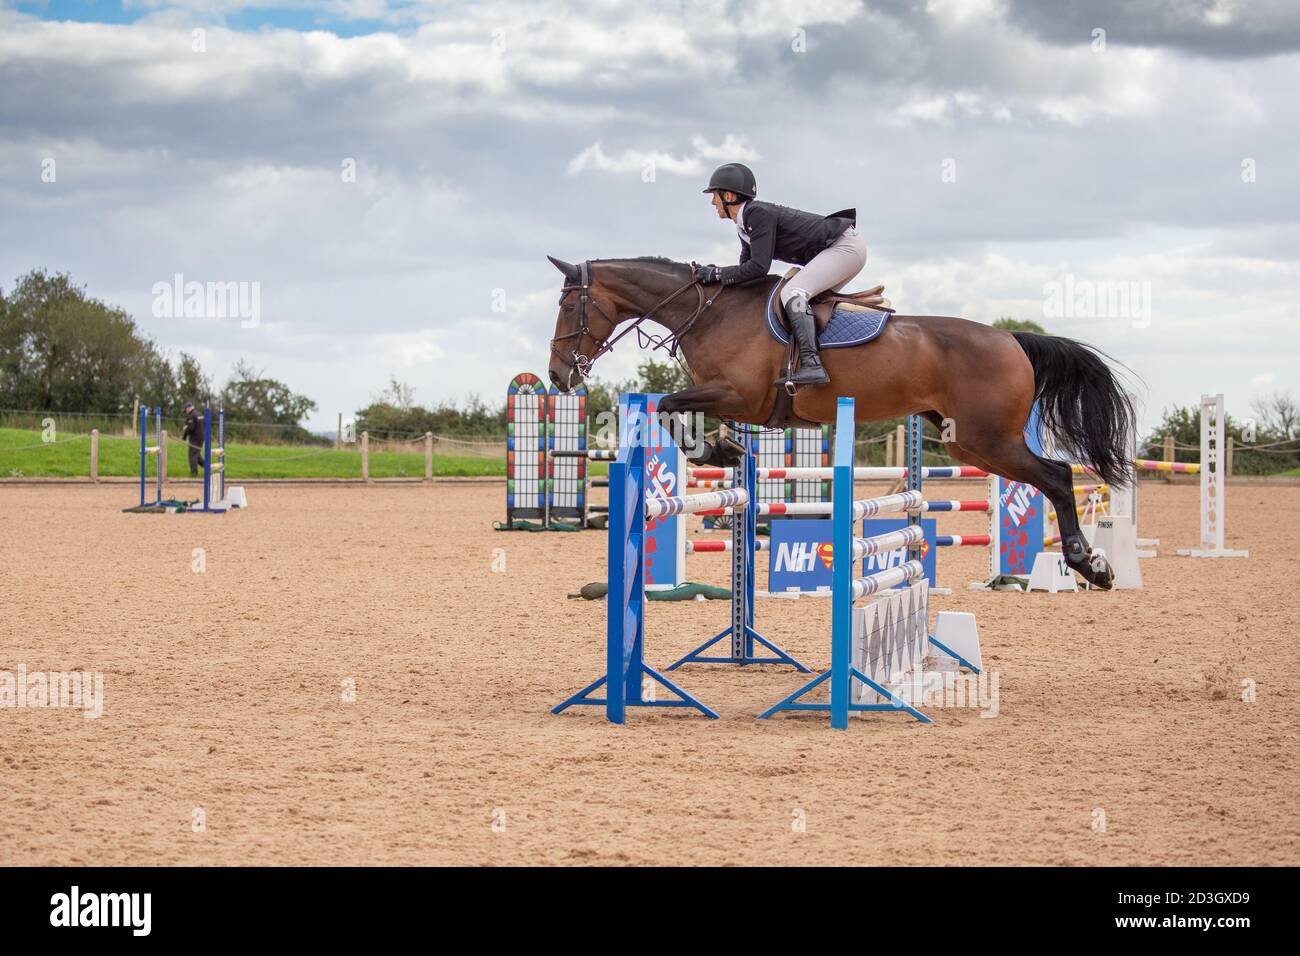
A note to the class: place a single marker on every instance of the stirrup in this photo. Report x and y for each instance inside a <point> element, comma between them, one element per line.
<point>792,386</point>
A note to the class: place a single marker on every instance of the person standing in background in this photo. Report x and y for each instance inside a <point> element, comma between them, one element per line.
<point>192,434</point>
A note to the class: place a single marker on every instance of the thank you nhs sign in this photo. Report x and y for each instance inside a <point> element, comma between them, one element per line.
<point>800,556</point>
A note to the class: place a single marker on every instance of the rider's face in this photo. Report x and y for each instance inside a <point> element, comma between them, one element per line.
<point>717,202</point>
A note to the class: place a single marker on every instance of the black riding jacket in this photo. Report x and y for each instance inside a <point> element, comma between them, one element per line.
<point>193,430</point>
<point>779,232</point>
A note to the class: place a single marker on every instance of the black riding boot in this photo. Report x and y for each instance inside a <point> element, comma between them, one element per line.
<point>804,327</point>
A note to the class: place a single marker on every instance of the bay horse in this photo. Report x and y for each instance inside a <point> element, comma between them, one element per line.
<point>975,383</point>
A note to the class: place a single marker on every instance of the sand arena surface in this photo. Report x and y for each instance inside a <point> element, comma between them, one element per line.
<point>224,690</point>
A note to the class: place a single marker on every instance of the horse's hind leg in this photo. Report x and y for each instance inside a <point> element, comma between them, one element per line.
<point>1011,458</point>
<point>965,454</point>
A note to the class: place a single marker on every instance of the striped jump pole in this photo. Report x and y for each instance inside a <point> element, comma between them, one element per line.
<point>779,508</point>
<point>589,454</point>
<point>717,546</point>
<point>907,501</point>
<point>710,502</point>
<point>1149,464</point>
<point>864,473</point>
<point>905,538</point>
<point>882,580</point>
<point>1176,467</point>
<point>937,506</point>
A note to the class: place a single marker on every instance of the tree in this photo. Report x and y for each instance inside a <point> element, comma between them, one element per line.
<point>250,397</point>
<point>1278,415</point>
<point>662,377</point>
<point>1182,424</point>
<point>398,394</point>
<point>1019,325</point>
<point>191,384</point>
<point>61,350</point>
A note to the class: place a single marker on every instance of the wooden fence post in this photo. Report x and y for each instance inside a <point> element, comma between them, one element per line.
<point>94,454</point>
<point>428,456</point>
<point>365,456</point>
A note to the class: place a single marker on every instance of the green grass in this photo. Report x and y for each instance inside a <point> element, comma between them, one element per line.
<point>120,457</point>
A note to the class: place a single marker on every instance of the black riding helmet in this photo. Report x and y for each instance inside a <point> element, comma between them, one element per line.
<point>735,178</point>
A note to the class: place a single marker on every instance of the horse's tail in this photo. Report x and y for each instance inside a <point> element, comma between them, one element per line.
<point>1081,403</point>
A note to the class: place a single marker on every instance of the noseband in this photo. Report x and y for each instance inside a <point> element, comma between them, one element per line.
<point>581,364</point>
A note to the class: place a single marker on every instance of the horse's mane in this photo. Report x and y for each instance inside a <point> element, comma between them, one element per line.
<point>647,260</point>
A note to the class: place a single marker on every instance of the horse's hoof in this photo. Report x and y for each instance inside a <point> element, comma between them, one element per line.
<point>1092,567</point>
<point>732,453</point>
<point>1103,575</point>
<point>725,454</point>
<point>1096,570</point>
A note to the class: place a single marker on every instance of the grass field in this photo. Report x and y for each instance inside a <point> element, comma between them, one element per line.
<point>24,455</point>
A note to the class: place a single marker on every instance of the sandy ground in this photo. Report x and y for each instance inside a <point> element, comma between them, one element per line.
<point>1121,736</point>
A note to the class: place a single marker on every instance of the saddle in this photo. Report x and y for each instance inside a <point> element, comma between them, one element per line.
<point>824,304</point>
<point>859,318</point>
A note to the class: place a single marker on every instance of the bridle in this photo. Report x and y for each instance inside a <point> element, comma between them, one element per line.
<point>581,364</point>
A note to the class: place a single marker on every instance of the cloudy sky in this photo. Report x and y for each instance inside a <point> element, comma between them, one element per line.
<point>391,175</point>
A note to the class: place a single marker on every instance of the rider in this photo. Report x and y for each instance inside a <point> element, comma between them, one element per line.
<point>828,247</point>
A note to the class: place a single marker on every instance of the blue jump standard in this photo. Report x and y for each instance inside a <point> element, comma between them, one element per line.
<point>625,613</point>
<point>842,672</point>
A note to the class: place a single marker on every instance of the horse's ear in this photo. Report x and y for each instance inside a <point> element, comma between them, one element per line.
<point>570,271</point>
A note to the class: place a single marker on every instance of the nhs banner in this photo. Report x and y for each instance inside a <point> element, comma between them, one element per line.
<point>1019,528</point>
<point>665,537</point>
<point>799,558</point>
<point>885,560</point>
<point>800,555</point>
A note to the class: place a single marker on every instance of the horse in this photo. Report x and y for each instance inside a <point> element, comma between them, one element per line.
<point>975,383</point>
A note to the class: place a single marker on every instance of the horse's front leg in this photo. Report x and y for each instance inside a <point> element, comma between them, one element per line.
<point>719,400</point>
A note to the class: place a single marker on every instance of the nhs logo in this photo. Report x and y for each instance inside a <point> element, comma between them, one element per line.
<point>801,555</point>
<point>873,563</point>
<point>797,557</point>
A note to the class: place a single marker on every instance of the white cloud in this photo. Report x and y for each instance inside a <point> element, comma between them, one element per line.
<point>489,134</point>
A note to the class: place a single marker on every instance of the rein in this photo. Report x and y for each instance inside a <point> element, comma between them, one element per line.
<point>582,364</point>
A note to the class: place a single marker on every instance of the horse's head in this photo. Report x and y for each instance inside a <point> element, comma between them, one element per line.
<point>583,326</point>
